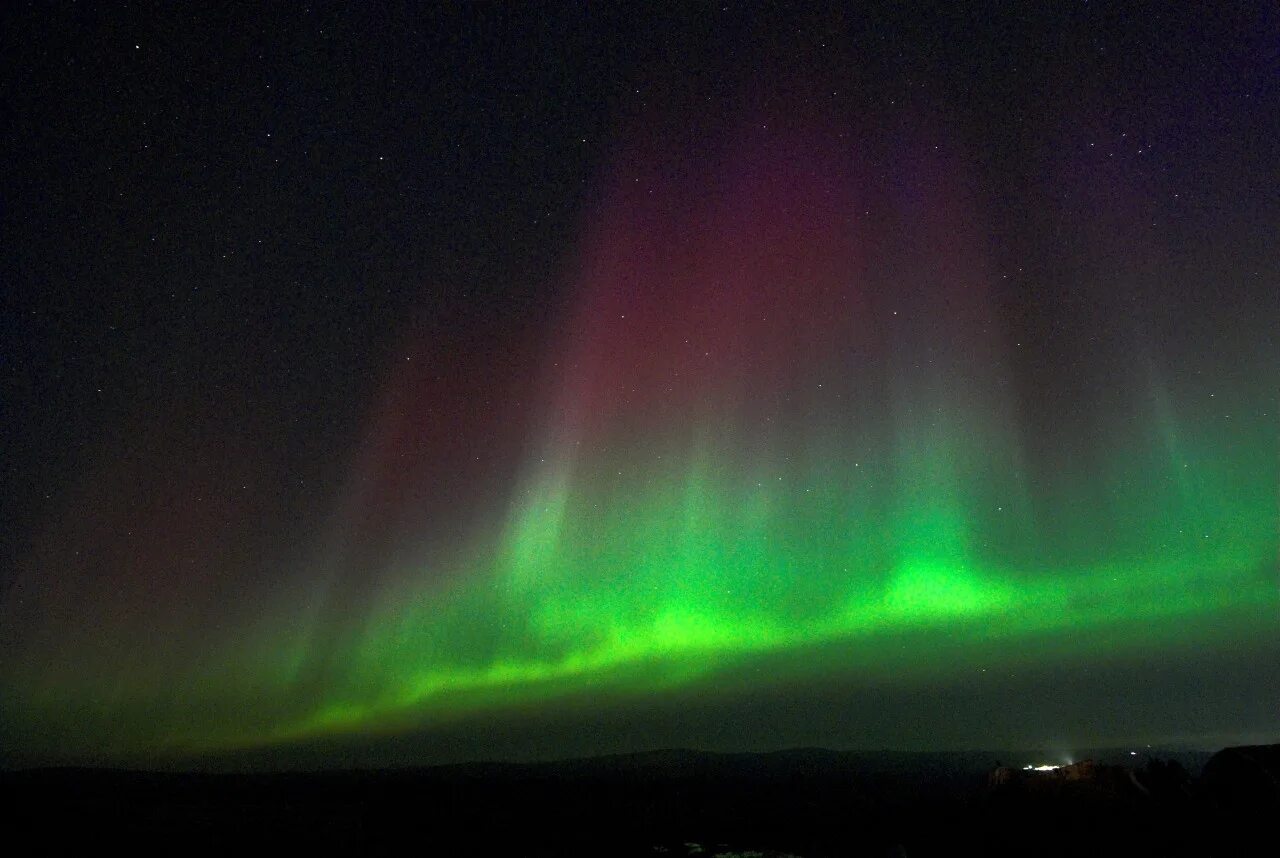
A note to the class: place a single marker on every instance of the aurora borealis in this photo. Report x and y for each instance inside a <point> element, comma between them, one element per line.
<point>806,393</point>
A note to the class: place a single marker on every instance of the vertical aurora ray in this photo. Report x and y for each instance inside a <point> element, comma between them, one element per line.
<point>769,424</point>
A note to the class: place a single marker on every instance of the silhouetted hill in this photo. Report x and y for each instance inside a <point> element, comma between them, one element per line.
<point>806,802</point>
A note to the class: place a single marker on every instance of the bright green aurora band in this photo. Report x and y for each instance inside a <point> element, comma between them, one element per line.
<point>768,434</point>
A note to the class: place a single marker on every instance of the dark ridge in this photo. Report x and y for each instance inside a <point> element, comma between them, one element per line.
<point>674,802</point>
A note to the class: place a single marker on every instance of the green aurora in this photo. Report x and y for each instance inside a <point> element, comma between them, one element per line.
<point>857,492</point>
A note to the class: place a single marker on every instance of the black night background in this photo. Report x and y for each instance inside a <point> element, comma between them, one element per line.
<point>393,385</point>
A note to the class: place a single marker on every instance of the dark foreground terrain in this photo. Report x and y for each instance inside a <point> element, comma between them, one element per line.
<point>678,803</point>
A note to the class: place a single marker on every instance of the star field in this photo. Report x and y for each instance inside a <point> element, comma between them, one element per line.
<point>501,381</point>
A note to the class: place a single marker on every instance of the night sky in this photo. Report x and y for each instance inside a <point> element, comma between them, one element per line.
<point>392,385</point>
